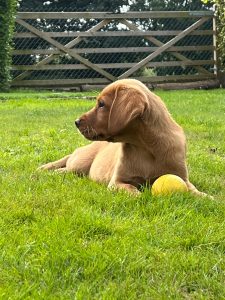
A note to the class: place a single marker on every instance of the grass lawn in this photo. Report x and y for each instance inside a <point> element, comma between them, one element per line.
<point>65,237</point>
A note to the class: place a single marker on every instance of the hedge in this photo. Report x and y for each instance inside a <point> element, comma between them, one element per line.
<point>221,31</point>
<point>7,21</point>
<point>220,12</point>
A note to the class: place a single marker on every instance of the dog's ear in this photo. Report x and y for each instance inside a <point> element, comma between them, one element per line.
<point>129,103</point>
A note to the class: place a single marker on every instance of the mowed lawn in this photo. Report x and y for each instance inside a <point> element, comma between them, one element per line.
<point>65,237</point>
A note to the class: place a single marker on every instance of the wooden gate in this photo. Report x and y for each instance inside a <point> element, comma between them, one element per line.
<point>133,44</point>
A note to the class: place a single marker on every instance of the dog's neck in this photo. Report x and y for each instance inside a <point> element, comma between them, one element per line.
<point>157,139</point>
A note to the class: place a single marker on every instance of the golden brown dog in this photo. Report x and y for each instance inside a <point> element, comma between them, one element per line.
<point>135,140</point>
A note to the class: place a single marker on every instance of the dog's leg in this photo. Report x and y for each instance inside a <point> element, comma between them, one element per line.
<point>195,191</point>
<point>82,158</point>
<point>61,170</point>
<point>58,164</point>
<point>125,186</point>
<point>78,162</point>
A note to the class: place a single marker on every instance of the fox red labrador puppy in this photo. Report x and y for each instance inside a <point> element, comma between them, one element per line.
<point>135,140</point>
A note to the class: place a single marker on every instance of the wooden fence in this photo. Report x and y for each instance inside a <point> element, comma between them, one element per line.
<point>46,58</point>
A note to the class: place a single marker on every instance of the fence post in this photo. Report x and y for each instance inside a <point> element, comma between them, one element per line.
<point>215,56</point>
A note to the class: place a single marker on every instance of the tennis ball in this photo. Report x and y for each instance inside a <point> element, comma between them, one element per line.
<point>168,184</point>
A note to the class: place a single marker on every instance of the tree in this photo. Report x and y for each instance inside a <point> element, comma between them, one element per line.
<point>68,5</point>
<point>168,5</point>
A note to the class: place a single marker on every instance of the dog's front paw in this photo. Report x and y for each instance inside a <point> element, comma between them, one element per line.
<point>124,186</point>
<point>206,195</point>
<point>202,194</point>
<point>49,166</point>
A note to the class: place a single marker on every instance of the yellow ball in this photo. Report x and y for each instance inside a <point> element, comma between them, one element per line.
<point>168,184</point>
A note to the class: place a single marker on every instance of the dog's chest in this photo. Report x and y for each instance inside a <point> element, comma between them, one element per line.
<point>141,166</point>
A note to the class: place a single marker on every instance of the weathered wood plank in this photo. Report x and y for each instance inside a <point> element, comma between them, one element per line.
<point>113,66</point>
<point>35,51</point>
<point>177,78</point>
<point>203,84</point>
<point>109,15</point>
<point>113,33</point>
<point>113,50</point>
<point>74,82</point>
<point>60,82</point>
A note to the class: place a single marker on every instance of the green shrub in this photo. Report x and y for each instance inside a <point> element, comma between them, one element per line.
<point>220,12</point>
<point>221,31</point>
<point>7,21</point>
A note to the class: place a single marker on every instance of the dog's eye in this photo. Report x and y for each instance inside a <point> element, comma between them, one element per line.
<point>101,104</point>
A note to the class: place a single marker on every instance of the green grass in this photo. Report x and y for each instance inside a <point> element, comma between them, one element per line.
<point>65,237</point>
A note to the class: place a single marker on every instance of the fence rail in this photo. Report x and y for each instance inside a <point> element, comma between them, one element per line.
<point>76,48</point>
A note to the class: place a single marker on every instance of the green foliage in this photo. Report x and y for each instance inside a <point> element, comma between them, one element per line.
<point>220,11</point>
<point>168,5</point>
<point>68,5</point>
<point>7,20</point>
<point>221,31</point>
<point>65,237</point>
<point>112,6</point>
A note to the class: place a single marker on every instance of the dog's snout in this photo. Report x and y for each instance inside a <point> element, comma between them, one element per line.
<point>77,123</point>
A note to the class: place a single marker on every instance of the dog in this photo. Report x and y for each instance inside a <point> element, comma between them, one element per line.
<point>134,138</point>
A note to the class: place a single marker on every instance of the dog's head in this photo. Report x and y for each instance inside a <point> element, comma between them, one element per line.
<point>119,108</point>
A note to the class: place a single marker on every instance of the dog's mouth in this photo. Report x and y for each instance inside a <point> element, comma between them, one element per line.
<point>101,137</point>
<point>92,135</point>
<point>98,137</point>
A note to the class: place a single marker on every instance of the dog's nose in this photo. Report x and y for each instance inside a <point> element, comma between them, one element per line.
<point>77,123</point>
